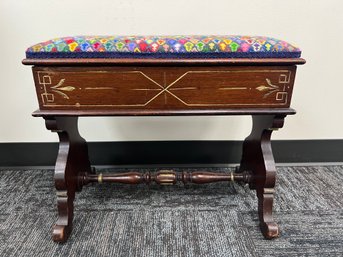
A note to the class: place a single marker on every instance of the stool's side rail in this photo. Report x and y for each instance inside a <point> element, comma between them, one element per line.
<point>163,88</point>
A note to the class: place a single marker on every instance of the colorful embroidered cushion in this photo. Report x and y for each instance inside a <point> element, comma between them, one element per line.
<point>164,47</point>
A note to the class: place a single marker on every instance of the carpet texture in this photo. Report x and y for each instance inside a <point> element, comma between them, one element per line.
<point>195,220</point>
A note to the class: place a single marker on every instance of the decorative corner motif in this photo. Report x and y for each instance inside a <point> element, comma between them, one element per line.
<point>271,88</point>
<point>58,89</point>
<point>44,80</point>
<point>280,90</point>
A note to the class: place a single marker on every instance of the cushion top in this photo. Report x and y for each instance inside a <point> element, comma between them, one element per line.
<point>201,46</point>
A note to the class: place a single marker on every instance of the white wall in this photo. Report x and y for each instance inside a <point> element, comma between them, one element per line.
<point>314,25</point>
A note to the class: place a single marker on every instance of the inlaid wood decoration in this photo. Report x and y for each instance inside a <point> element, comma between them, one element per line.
<point>85,88</point>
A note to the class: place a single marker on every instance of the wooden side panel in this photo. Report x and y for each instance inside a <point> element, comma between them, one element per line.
<point>170,88</point>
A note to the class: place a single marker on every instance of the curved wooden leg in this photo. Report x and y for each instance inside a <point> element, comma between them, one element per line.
<point>258,158</point>
<point>72,162</point>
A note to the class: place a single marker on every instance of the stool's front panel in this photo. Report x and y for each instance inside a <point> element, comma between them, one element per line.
<point>179,88</point>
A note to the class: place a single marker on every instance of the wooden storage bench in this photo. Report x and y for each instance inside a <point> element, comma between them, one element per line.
<point>163,75</point>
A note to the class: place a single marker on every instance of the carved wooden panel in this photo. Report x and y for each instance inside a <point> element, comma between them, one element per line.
<point>180,88</point>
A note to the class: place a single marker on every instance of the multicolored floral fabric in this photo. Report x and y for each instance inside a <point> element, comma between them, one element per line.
<point>164,47</point>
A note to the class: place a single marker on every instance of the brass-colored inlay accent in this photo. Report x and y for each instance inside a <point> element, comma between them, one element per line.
<point>100,178</point>
<point>232,177</point>
<point>61,193</point>
<point>166,177</point>
<point>281,96</point>
<point>183,88</point>
<point>268,190</point>
<point>58,89</point>
<point>271,88</point>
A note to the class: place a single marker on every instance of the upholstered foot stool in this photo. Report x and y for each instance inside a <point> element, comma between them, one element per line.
<point>163,75</point>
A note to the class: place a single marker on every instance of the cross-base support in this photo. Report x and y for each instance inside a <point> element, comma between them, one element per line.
<point>73,170</point>
<point>167,177</point>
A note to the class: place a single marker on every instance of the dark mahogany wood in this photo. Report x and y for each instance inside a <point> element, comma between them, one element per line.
<point>168,88</point>
<point>69,88</point>
<point>72,162</point>
<point>167,177</point>
<point>258,158</point>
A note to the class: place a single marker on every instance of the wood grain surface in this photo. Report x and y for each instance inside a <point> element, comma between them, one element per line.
<point>170,88</point>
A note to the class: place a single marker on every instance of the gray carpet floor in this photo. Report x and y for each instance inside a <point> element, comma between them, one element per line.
<point>196,220</point>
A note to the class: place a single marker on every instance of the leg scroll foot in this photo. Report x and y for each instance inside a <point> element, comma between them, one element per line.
<point>268,226</point>
<point>65,208</point>
<point>270,230</point>
<point>60,233</point>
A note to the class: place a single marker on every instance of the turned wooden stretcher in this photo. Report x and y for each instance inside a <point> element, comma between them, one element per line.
<point>143,76</point>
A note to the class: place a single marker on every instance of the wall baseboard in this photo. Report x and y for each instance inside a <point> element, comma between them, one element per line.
<point>172,152</point>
